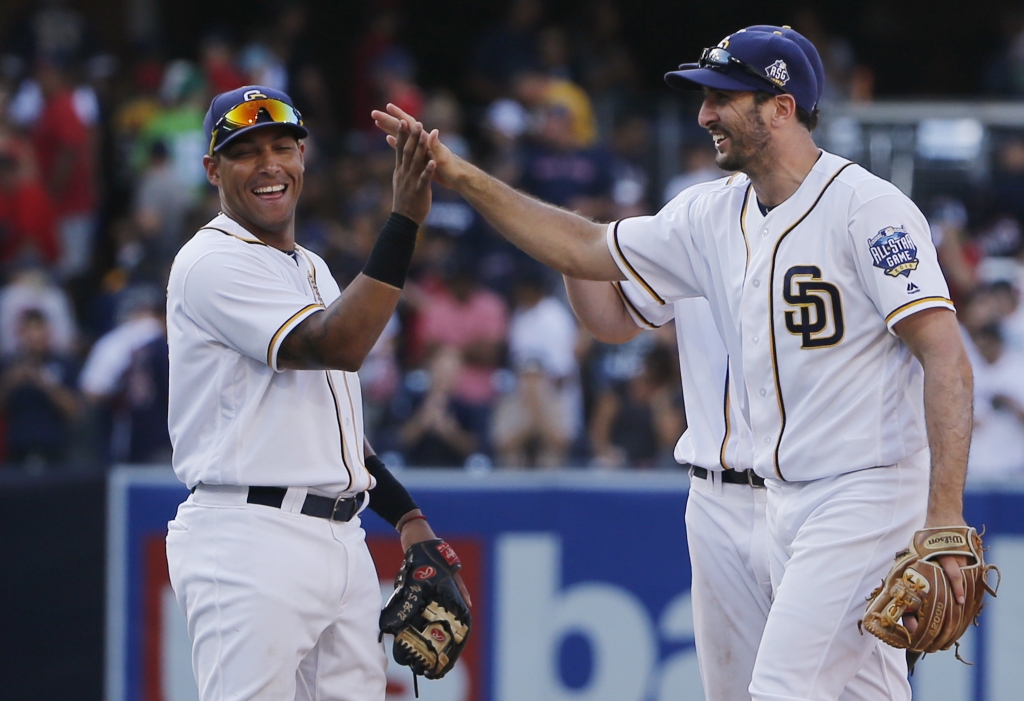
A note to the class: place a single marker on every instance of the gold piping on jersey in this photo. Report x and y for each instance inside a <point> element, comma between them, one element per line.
<point>311,275</point>
<point>731,178</point>
<point>360,458</point>
<point>771,316</point>
<point>282,327</point>
<point>618,288</point>
<point>618,249</point>
<point>236,236</point>
<point>743,225</point>
<point>341,429</point>
<point>916,302</point>
<point>728,424</point>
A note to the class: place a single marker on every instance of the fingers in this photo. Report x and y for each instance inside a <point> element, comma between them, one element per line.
<point>413,146</point>
<point>910,623</point>
<point>428,173</point>
<point>398,113</point>
<point>956,578</point>
<point>462,590</point>
<point>400,143</point>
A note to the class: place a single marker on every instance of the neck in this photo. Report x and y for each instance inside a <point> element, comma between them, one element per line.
<point>778,176</point>
<point>283,239</point>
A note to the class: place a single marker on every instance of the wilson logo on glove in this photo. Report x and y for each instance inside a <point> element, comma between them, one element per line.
<point>918,587</point>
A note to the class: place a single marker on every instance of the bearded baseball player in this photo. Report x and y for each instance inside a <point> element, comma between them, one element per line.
<point>725,512</point>
<point>848,363</point>
<point>267,557</point>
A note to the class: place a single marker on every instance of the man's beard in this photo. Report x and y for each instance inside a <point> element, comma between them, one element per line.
<point>749,148</point>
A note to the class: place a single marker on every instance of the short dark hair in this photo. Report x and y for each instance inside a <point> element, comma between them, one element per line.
<point>808,119</point>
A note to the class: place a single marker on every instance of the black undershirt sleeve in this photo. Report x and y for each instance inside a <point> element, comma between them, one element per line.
<point>389,260</point>
<point>389,499</point>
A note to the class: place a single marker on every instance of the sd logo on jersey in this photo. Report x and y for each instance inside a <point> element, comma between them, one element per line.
<point>894,251</point>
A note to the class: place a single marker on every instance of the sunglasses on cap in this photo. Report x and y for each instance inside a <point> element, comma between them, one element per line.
<point>252,112</point>
<point>720,59</point>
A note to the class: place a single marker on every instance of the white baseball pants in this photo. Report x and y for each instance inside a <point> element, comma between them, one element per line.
<point>280,605</point>
<point>832,541</point>
<point>726,529</point>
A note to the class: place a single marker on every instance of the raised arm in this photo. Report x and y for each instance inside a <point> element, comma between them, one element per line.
<point>601,310</point>
<point>563,240</point>
<point>934,338</point>
<point>341,336</point>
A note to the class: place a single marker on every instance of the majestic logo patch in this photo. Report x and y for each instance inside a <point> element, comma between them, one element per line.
<point>778,72</point>
<point>912,288</point>
<point>894,251</point>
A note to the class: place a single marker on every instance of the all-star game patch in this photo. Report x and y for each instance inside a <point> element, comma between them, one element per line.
<point>894,251</point>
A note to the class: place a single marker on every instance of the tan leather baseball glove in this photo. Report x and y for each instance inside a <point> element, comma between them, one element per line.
<point>917,586</point>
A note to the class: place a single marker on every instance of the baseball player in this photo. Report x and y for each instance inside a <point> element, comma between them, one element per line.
<point>266,557</point>
<point>824,285</point>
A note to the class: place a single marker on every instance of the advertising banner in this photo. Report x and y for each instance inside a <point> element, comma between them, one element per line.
<point>580,584</point>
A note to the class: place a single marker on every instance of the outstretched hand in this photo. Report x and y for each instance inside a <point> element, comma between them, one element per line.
<point>413,171</point>
<point>390,123</point>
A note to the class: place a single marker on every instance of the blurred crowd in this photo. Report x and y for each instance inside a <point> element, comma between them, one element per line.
<point>484,365</point>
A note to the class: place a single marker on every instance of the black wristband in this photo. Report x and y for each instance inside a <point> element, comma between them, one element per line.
<point>389,260</point>
<point>389,499</point>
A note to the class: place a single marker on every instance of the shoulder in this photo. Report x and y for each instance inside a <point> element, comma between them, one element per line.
<point>734,185</point>
<point>860,185</point>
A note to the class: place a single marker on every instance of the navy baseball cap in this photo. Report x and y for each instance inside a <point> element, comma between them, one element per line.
<point>805,45</point>
<point>752,60</point>
<point>247,108</point>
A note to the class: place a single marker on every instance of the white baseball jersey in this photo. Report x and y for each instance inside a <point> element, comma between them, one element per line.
<point>806,298</point>
<point>716,436</point>
<point>235,417</point>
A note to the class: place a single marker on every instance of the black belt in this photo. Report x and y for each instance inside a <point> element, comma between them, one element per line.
<point>340,509</point>
<point>747,477</point>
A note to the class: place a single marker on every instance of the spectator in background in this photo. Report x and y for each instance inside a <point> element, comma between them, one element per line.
<point>393,74</point>
<point>38,396</point>
<point>65,149</point>
<point>473,321</point>
<point>557,170</point>
<point>27,214</point>
<point>379,378</point>
<point>437,429</point>
<point>608,70</point>
<point>997,444</point>
<point>541,93</point>
<point>637,423</point>
<point>631,147</point>
<point>114,364</point>
<point>698,162</point>
<point>505,51</point>
<point>537,422</point>
<point>217,58</point>
<point>31,287</point>
<point>179,125</point>
<point>161,205</point>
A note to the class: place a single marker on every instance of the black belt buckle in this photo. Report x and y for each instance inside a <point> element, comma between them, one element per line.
<point>345,507</point>
<point>754,480</point>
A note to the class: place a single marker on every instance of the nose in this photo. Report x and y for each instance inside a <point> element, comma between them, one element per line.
<point>707,115</point>
<point>269,161</point>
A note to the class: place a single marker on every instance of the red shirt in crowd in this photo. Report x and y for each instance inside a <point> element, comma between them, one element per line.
<point>27,221</point>
<point>59,129</point>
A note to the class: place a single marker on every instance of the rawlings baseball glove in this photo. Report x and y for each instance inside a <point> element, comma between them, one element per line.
<point>427,614</point>
<point>917,585</point>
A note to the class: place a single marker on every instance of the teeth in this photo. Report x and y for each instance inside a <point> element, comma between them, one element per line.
<point>269,189</point>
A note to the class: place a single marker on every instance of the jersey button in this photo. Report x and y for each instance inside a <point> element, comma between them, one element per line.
<point>767,441</point>
<point>764,232</point>
<point>757,283</point>
<point>755,340</point>
<point>763,392</point>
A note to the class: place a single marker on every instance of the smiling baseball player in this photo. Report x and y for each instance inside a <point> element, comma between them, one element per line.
<point>266,557</point>
<point>824,284</point>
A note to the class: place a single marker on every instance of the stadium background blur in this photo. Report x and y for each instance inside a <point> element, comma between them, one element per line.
<point>483,368</point>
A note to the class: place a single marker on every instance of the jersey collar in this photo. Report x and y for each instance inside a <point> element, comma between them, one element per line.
<point>229,226</point>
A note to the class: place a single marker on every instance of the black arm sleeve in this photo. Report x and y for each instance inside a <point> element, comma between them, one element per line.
<point>389,499</point>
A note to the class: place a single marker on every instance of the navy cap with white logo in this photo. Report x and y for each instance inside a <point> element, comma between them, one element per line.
<point>805,45</point>
<point>753,60</point>
<point>244,109</point>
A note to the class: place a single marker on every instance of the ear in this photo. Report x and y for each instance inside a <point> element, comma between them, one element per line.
<point>210,163</point>
<point>785,109</point>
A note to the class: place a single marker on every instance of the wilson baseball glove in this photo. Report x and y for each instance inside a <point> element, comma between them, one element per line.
<point>427,614</point>
<point>917,586</point>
